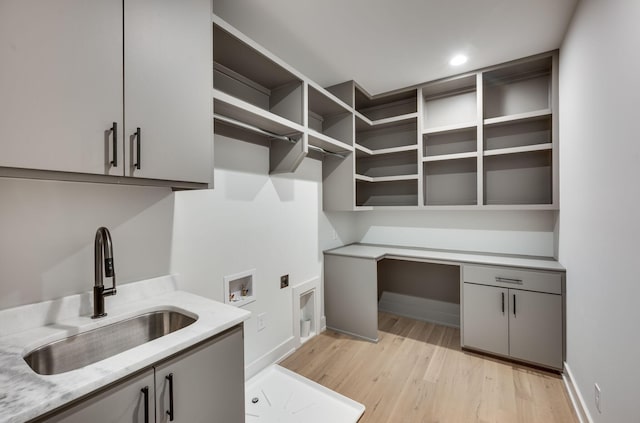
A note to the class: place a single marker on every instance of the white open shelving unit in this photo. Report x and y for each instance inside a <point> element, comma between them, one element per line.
<point>485,140</point>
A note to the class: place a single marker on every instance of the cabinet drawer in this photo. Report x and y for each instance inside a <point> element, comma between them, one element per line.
<point>510,277</point>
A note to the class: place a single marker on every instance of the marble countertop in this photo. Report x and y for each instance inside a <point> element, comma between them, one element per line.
<point>25,395</point>
<point>379,252</point>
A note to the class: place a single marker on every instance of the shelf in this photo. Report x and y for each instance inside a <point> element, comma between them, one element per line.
<point>517,89</point>
<point>387,193</point>
<point>450,105</point>
<point>385,106</point>
<point>450,128</point>
<point>517,150</point>
<point>445,157</point>
<point>394,178</point>
<point>451,183</point>
<point>243,72</point>
<point>327,143</point>
<point>519,117</point>
<point>519,178</point>
<point>329,118</point>
<point>448,143</point>
<point>366,152</point>
<point>232,107</point>
<point>394,120</point>
<point>399,134</point>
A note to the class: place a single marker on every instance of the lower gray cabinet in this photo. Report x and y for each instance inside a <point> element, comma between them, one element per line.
<point>207,384</point>
<point>524,324</point>
<point>486,321</point>
<point>123,402</point>
<point>204,384</point>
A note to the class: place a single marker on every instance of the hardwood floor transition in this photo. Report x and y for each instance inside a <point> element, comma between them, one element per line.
<point>417,373</point>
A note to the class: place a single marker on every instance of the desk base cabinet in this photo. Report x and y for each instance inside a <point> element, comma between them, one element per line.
<point>521,324</point>
<point>351,295</point>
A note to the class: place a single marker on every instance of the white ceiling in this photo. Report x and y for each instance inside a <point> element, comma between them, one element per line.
<point>385,44</point>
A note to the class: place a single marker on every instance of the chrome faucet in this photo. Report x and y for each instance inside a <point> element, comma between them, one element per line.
<point>103,251</point>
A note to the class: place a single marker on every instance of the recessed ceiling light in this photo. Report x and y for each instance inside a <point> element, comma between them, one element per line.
<point>458,60</point>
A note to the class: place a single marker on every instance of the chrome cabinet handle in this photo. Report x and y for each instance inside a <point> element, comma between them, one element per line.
<point>508,280</point>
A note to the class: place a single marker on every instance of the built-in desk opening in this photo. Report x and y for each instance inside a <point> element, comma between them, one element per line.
<point>422,291</point>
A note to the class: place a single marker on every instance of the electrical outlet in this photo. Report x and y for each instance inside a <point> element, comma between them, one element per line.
<point>284,281</point>
<point>262,321</point>
<point>597,397</point>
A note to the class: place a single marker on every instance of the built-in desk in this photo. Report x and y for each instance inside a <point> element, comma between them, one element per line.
<point>510,305</point>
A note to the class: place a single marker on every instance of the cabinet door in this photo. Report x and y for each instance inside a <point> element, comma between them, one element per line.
<point>208,383</point>
<point>122,403</point>
<point>168,81</point>
<point>485,318</point>
<point>535,327</point>
<point>60,84</point>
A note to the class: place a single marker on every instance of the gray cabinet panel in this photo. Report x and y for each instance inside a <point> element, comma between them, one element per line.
<point>485,320</point>
<point>351,295</point>
<point>535,327</point>
<point>60,85</point>
<point>208,383</point>
<point>122,403</point>
<point>168,80</point>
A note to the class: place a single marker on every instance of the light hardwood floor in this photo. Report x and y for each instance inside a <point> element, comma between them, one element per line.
<point>417,373</point>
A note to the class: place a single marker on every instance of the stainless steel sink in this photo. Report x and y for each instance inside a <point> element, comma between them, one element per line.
<point>89,347</point>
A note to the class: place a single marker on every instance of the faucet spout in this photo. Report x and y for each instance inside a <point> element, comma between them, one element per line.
<point>103,252</point>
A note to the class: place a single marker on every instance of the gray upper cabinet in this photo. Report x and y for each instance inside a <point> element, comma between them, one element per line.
<point>168,79</point>
<point>72,73</point>
<point>61,85</point>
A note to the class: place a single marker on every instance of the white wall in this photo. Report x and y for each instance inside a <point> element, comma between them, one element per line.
<point>252,220</point>
<point>47,230</point>
<point>510,232</point>
<point>600,203</point>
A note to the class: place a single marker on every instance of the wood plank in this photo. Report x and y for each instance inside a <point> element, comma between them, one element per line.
<point>418,373</point>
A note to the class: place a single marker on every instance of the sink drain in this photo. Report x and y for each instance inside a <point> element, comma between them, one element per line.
<point>254,400</point>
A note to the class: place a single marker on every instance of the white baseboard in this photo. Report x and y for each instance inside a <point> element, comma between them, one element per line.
<point>276,355</point>
<point>577,400</point>
<point>447,314</point>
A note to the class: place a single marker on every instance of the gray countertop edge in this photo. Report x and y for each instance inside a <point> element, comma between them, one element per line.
<point>379,252</point>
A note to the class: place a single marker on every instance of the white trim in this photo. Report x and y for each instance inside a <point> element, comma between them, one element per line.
<point>425,309</point>
<point>276,355</point>
<point>577,400</point>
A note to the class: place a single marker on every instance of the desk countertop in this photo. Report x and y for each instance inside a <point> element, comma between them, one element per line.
<point>379,252</point>
<point>25,394</point>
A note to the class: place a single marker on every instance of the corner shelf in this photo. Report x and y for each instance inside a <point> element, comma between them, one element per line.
<point>381,107</point>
